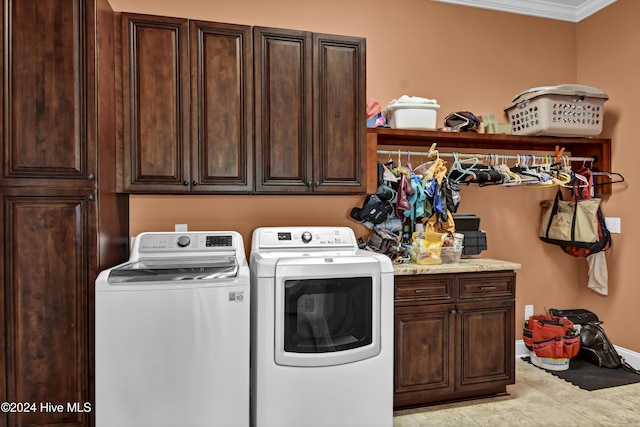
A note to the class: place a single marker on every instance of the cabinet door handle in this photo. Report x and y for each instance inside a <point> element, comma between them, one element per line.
<point>487,288</point>
<point>195,182</point>
<point>185,182</point>
<point>454,311</point>
<point>423,291</point>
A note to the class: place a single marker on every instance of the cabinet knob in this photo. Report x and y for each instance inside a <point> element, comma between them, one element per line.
<point>91,177</point>
<point>195,183</point>
<point>454,311</point>
<point>91,197</point>
<point>185,182</point>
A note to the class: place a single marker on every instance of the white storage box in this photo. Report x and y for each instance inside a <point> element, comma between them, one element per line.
<point>412,116</point>
<point>564,110</point>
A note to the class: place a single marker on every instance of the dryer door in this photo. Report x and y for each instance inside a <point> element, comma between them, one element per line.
<point>327,310</point>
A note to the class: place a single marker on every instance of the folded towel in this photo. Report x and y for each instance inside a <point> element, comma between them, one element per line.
<point>405,99</point>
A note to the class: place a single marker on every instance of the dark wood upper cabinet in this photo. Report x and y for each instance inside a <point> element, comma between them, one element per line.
<point>221,107</point>
<point>340,113</point>
<point>284,103</point>
<point>214,108</point>
<point>187,105</point>
<point>310,112</point>
<point>45,125</point>
<point>156,100</point>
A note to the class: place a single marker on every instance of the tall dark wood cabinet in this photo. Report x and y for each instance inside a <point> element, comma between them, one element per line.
<point>62,221</point>
<point>187,105</point>
<point>455,336</point>
<point>310,112</point>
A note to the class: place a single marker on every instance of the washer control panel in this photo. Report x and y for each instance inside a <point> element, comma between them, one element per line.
<point>293,237</point>
<point>182,241</point>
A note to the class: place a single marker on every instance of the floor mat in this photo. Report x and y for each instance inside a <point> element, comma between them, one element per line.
<point>589,376</point>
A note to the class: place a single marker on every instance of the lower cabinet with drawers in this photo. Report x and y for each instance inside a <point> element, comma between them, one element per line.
<point>454,336</point>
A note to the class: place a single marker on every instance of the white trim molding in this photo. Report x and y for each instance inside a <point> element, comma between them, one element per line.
<point>563,10</point>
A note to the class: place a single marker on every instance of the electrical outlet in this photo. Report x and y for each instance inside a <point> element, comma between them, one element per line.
<point>613,224</point>
<point>528,312</point>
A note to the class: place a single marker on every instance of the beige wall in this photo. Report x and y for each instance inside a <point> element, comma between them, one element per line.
<point>468,59</point>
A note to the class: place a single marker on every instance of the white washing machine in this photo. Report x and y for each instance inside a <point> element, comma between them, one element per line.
<point>322,330</point>
<point>172,333</point>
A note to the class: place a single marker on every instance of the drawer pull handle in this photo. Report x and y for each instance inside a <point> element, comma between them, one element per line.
<point>488,288</point>
<point>423,291</point>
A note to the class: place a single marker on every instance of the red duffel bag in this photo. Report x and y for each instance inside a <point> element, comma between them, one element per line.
<point>551,336</point>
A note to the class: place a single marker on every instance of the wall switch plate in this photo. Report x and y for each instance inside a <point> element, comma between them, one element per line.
<point>613,225</point>
<point>528,312</point>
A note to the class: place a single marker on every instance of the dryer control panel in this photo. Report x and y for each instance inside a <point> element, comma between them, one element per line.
<point>304,237</point>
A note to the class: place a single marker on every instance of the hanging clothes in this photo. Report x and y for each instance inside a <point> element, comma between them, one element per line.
<point>598,273</point>
<point>438,219</point>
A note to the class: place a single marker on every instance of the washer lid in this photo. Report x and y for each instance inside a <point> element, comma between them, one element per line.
<point>172,269</point>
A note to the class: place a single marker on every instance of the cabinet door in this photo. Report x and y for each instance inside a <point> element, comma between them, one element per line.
<point>487,349</point>
<point>45,299</point>
<point>155,67</point>
<point>283,88</point>
<point>44,122</point>
<point>222,107</point>
<point>424,366</point>
<point>339,114</point>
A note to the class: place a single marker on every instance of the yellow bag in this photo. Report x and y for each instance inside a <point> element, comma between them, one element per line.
<point>428,247</point>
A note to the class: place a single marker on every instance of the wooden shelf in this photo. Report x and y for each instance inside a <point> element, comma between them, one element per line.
<point>598,148</point>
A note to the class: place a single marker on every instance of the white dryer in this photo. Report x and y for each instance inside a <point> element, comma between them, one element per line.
<point>322,330</point>
<point>172,333</point>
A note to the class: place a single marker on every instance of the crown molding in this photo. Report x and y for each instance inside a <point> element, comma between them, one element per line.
<point>563,10</point>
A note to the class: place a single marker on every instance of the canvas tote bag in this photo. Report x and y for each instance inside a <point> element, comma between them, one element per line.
<point>572,222</point>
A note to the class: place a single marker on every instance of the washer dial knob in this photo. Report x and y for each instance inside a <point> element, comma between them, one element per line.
<point>183,241</point>
<point>306,237</point>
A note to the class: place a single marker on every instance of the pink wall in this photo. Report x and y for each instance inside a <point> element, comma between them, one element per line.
<point>467,59</point>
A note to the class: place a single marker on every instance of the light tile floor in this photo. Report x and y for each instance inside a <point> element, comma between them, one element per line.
<point>536,399</point>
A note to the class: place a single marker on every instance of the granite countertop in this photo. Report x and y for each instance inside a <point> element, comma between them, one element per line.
<point>465,265</point>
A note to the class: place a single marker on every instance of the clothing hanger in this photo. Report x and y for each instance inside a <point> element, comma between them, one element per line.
<point>457,166</point>
<point>423,168</point>
<point>562,173</point>
<point>529,169</point>
<point>608,175</point>
<point>520,168</point>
